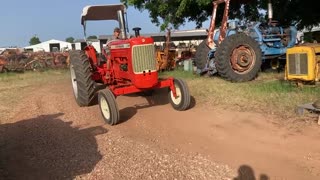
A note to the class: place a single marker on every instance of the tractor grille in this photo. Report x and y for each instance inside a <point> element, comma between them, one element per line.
<point>143,58</point>
<point>298,64</point>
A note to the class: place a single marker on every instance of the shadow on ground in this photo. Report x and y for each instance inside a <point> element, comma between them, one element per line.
<point>246,172</point>
<point>158,98</point>
<point>46,147</point>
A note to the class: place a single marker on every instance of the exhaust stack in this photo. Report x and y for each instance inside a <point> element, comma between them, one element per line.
<point>122,24</point>
<point>136,31</point>
<point>270,11</point>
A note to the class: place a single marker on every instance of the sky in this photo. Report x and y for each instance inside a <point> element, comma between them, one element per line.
<point>58,19</point>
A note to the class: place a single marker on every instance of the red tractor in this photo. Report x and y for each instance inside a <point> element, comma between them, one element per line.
<point>127,66</point>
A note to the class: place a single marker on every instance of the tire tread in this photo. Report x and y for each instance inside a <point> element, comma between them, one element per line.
<point>86,86</point>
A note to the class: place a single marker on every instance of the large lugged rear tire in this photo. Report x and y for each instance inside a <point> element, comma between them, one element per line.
<point>201,55</point>
<point>238,58</point>
<point>182,102</point>
<point>82,84</point>
<point>108,107</point>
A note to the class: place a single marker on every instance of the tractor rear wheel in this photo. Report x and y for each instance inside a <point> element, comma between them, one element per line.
<point>108,107</point>
<point>202,55</point>
<point>82,84</point>
<point>183,99</point>
<point>238,58</point>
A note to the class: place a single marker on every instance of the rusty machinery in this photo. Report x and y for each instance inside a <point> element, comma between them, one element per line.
<point>19,60</point>
<point>126,66</point>
<point>3,62</point>
<point>237,50</point>
<point>172,55</point>
<point>166,58</point>
<point>184,52</point>
<point>303,68</point>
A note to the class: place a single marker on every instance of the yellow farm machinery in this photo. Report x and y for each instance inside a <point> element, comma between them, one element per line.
<point>303,63</point>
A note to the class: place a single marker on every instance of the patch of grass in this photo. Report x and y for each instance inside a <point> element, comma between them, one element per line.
<point>15,86</point>
<point>29,75</point>
<point>179,74</point>
<point>269,93</point>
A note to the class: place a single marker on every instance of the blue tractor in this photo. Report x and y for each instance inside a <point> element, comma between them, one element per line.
<point>238,49</point>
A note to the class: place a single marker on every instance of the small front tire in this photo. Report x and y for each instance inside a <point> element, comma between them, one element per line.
<point>108,107</point>
<point>182,102</point>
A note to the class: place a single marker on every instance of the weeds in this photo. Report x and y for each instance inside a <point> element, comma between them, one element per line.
<point>269,93</point>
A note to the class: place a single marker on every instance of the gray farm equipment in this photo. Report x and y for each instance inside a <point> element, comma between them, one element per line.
<point>238,49</point>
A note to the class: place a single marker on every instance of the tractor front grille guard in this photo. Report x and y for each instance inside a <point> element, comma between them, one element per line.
<point>298,64</point>
<point>143,58</point>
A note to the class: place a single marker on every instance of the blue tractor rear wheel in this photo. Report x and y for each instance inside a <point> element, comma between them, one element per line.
<point>238,58</point>
<point>201,55</point>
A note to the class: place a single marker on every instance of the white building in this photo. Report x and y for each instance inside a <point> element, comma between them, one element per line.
<point>80,44</point>
<point>49,46</point>
<point>188,37</point>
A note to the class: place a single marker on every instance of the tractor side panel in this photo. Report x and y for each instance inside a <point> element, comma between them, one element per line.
<point>121,57</point>
<point>134,60</point>
<point>274,40</point>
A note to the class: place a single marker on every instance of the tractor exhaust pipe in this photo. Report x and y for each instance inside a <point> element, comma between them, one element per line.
<point>136,31</point>
<point>122,25</point>
<point>270,11</point>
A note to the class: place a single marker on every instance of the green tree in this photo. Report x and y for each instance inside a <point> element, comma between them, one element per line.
<point>92,37</point>
<point>34,40</point>
<point>70,39</point>
<point>164,13</point>
<point>177,12</point>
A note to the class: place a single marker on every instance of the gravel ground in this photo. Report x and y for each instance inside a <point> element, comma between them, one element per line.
<point>127,159</point>
<point>47,137</point>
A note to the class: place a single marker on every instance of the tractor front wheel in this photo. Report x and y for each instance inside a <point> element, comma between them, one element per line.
<point>82,84</point>
<point>238,58</point>
<point>108,107</point>
<point>183,99</point>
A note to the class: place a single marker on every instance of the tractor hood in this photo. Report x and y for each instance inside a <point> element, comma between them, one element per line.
<point>101,12</point>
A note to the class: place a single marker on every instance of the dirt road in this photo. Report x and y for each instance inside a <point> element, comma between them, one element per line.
<point>49,137</point>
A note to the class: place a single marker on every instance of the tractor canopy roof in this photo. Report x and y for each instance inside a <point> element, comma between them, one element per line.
<point>101,12</point>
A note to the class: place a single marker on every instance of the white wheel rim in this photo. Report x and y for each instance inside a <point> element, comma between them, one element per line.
<point>177,100</point>
<point>105,108</point>
<point>74,81</point>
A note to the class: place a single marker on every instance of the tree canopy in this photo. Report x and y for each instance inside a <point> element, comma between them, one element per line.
<point>70,39</point>
<point>34,40</point>
<point>165,13</point>
<point>92,37</point>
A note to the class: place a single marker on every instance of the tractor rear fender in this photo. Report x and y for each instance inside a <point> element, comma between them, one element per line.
<point>98,72</point>
<point>92,55</point>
